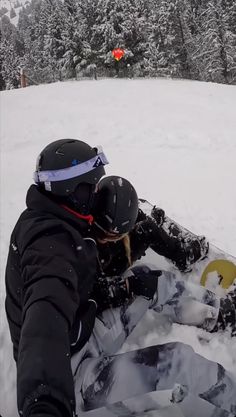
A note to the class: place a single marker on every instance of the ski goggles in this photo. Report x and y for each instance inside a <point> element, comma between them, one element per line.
<point>73,171</point>
<point>107,236</point>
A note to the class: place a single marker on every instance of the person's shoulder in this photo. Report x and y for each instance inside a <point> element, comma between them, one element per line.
<point>45,217</point>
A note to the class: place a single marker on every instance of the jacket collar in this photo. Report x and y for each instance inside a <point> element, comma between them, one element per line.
<point>39,201</point>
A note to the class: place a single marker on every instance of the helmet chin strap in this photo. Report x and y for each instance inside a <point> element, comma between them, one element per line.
<point>82,198</point>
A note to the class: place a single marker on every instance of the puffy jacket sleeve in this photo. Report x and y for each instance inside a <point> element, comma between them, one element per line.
<point>53,290</point>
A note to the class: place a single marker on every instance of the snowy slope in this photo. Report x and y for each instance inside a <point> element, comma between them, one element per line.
<point>175,140</point>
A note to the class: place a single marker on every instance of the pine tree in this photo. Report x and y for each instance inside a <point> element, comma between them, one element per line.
<point>11,53</point>
<point>135,34</point>
<point>228,17</point>
<point>209,51</point>
<point>41,25</point>
<point>190,11</point>
<point>32,26</point>
<point>54,47</point>
<point>72,39</point>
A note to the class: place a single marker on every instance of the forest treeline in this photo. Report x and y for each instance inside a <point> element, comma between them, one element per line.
<point>58,40</point>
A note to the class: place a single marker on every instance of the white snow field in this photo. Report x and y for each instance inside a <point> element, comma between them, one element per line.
<point>174,140</point>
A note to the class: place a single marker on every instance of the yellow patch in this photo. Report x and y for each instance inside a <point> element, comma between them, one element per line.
<point>226,270</point>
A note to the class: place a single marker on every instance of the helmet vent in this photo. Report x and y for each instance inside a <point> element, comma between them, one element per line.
<point>124,223</point>
<point>59,152</point>
<point>120,182</point>
<point>109,218</point>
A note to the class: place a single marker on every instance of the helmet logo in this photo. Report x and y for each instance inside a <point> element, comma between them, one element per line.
<point>74,162</point>
<point>47,186</point>
<point>98,162</point>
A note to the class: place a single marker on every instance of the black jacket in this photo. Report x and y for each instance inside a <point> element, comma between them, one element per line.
<point>50,274</point>
<point>52,267</point>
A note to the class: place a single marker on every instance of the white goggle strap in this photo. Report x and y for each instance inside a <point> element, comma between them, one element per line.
<point>71,172</point>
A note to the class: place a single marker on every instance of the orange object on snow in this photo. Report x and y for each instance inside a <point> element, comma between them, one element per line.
<point>118,53</point>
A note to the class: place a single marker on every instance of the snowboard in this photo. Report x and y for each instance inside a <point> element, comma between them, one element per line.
<point>216,270</point>
<point>166,403</point>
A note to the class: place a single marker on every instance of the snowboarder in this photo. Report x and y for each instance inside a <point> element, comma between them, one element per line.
<point>72,291</point>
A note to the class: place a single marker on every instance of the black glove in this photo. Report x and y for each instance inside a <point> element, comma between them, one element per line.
<point>110,292</point>
<point>142,281</point>
<point>116,291</point>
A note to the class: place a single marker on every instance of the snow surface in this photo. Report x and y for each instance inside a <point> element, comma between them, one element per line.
<point>174,140</point>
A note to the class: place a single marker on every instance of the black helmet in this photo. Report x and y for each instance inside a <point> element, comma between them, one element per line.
<point>65,163</point>
<point>116,205</point>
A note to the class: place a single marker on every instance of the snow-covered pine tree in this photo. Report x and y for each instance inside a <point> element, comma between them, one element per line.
<point>228,17</point>
<point>189,17</point>
<point>54,47</point>
<point>11,54</point>
<point>209,54</point>
<point>79,58</point>
<point>135,37</point>
<point>170,42</point>
<point>32,26</point>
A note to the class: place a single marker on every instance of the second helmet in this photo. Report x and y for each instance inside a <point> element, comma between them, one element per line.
<point>116,206</point>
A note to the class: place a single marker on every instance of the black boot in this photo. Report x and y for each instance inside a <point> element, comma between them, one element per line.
<point>180,245</point>
<point>168,239</point>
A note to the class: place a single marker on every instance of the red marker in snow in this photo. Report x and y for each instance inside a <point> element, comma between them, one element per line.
<point>118,53</point>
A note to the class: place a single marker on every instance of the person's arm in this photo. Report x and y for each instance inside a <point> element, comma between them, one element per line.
<point>52,295</point>
<point>111,292</point>
<point>182,301</point>
<point>158,232</point>
<point>168,239</point>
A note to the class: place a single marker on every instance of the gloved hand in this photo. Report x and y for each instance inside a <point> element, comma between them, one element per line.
<point>142,280</point>
<point>115,291</point>
<point>110,292</point>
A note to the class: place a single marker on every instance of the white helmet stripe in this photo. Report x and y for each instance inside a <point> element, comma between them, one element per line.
<point>71,172</point>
